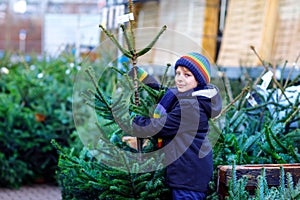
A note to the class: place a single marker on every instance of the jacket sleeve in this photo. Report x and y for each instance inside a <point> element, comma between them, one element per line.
<point>183,118</point>
<point>166,125</point>
<point>145,78</point>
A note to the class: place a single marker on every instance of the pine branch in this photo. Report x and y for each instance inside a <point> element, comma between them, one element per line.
<point>260,188</point>
<point>295,155</point>
<point>164,77</point>
<point>131,22</point>
<point>278,141</point>
<point>267,131</point>
<point>251,141</point>
<point>227,86</point>
<point>128,41</point>
<point>290,183</point>
<point>282,90</point>
<point>292,115</point>
<point>294,81</point>
<point>62,152</point>
<point>115,41</point>
<point>291,71</point>
<point>90,73</point>
<point>282,180</point>
<point>103,135</point>
<point>149,47</point>
<point>246,89</point>
<point>262,62</point>
<point>88,175</point>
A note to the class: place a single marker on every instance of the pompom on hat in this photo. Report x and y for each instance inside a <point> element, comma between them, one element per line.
<point>198,65</point>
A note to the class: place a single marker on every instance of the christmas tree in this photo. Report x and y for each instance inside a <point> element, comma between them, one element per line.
<point>108,167</point>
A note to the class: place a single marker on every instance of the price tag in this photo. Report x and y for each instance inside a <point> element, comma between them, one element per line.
<point>267,77</point>
<point>125,18</point>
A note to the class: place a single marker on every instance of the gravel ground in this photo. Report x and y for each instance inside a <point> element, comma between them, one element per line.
<point>34,192</point>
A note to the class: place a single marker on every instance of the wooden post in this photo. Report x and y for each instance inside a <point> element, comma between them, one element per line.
<point>210,29</point>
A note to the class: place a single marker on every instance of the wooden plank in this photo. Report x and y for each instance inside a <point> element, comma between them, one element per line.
<point>210,34</point>
<point>269,28</point>
<point>249,23</point>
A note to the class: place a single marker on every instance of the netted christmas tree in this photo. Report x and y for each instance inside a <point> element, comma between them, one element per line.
<point>108,167</point>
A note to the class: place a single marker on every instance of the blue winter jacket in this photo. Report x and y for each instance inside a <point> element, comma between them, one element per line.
<point>184,130</point>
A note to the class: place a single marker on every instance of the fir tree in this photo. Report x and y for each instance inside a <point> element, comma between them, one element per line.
<point>110,168</point>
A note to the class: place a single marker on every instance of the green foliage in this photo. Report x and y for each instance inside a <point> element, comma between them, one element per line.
<point>84,177</point>
<point>131,51</point>
<point>107,169</point>
<point>262,133</point>
<point>113,172</point>
<point>35,106</point>
<point>265,133</point>
<point>237,187</point>
<point>90,176</point>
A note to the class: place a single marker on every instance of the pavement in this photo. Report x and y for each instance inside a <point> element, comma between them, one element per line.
<point>32,192</point>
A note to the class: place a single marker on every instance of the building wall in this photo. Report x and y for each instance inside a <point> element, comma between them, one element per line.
<point>9,38</point>
<point>247,24</point>
<point>272,27</point>
<point>33,20</point>
<point>189,28</point>
<point>74,32</point>
<point>287,38</point>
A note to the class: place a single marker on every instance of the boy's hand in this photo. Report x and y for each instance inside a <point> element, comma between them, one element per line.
<point>132,141</point>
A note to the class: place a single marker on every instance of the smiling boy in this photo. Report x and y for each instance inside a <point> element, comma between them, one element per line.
<point>181,121</point>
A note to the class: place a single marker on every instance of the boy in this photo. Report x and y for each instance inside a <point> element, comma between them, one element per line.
<point>181,121</point>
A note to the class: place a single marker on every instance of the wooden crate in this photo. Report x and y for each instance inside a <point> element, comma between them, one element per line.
<point>252,171</point>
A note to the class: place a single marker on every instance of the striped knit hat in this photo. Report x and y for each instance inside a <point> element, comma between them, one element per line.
<point>198,65</point>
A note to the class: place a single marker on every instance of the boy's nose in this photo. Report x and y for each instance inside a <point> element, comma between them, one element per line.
<point>179,78</point>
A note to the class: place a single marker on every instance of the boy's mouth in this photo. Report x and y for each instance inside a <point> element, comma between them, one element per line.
<point>180,85</point>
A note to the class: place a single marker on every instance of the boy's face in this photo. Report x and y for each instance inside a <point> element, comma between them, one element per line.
<point>184,79</point>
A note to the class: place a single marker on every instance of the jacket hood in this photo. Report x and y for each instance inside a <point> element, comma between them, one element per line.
<point>212,94</point>
<point>208,96</point>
